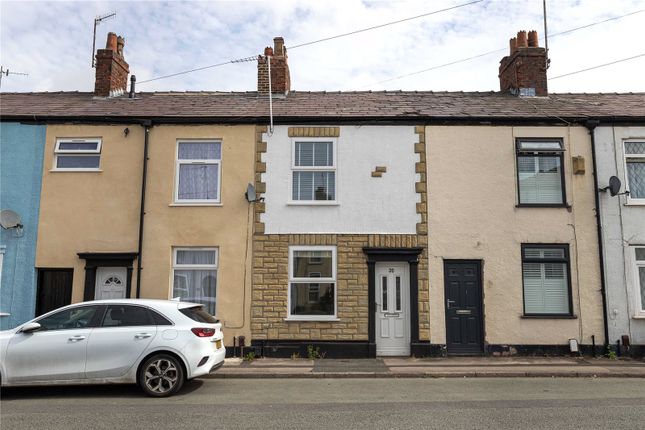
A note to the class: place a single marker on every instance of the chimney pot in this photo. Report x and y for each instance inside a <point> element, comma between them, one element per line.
<point>513,43</point>
<point>111,42</point>
<point>120,43</point>
<point>278,45</point>
<point>533,39</point>
<point>268,51</point>
<point>521,39</point>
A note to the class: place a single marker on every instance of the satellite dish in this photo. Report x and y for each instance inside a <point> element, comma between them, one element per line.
<point>9,219</point>
<point>250,194</point>
<point>614,186</point>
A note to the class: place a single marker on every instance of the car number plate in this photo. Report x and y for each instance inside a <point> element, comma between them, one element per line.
<point>218,344</point>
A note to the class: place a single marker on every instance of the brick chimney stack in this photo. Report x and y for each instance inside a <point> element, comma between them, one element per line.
<point>111,68</point>
<point>280,77</point>
<point>523,71</point>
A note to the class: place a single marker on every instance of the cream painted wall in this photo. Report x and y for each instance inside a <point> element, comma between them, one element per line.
<point>365,204</point>
<point>90,211</point>
<point>226,226</point>
<point>99,211</point>
<point>472,214</point>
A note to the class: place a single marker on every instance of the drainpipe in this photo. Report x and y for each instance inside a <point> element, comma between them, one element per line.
<point>146,124</point>
<point>591,125</point>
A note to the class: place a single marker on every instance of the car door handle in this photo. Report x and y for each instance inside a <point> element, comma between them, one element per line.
<point>76,338</point>
<point>142,335</point>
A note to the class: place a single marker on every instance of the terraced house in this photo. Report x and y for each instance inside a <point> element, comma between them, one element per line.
<point>375,223</point>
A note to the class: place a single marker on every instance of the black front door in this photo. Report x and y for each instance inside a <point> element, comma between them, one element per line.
<point>464,316</point>
<point>54,289</point>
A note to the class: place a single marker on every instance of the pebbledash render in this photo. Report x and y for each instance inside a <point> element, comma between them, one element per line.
<point>378,223</point>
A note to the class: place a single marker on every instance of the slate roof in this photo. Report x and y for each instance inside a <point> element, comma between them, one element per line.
<point>298,106</point>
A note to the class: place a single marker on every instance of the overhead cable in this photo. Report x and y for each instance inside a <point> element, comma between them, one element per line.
<point>382,25</point>
<point>254,57</point>
<point>439,66</point>
<point>599,66</point>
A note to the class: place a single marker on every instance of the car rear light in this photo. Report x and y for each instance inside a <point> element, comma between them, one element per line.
<point>203,331</point>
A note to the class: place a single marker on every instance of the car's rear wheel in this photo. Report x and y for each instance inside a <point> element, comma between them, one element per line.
<point>161,375</point>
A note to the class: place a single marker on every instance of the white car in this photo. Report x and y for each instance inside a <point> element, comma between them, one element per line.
<point>157,344</point>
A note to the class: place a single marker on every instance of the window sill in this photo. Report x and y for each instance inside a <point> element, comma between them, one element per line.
<point>639,317</point>
<point>313,203</point>
<point>549,317</point>
<point>312,319</point>
<point>75,170</point>
<point>634,202</point>
<point>5,314</point>
<point>543,205</point>
<point>195,204</point>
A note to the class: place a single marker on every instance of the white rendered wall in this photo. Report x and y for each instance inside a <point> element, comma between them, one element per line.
<point>623,227</point>
<point>364,204</point>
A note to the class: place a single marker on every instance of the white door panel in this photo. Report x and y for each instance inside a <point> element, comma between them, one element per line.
<point>110,283</point>
<point>47,355</point>
<point>392,309</point>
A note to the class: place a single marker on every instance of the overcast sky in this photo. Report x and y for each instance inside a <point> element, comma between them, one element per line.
<point>52,41</point>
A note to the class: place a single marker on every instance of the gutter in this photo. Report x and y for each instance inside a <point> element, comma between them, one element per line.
<point>591,125</point>
<point>147,124</point>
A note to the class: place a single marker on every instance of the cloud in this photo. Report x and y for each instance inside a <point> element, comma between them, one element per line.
<point>52,41</point>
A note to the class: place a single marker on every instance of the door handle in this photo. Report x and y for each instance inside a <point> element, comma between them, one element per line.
<point>76,338</point>
<point>449,302</point>
<point>142,335</point>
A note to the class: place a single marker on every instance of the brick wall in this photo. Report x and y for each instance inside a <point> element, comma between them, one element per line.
<point>271,286</point>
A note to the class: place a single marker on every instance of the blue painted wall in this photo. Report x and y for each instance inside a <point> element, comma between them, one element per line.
<point>21,167</point>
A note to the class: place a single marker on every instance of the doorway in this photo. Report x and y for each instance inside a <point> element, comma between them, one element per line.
<point>464,307</point>
<point>392,309</point>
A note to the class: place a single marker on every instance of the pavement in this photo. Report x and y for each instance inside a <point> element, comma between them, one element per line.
<point>453,367</point>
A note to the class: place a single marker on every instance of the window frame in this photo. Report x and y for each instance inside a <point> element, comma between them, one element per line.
<point>637,158</point>
<point>332,168</point>
<point>198,202</point>
<point>77,152</point>
<point>566,260</point>
<point>176,266</point>
<point>636,264</point>
<point>310,280</point>
<point>541,153</point>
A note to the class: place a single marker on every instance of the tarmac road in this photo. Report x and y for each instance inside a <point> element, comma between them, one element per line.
<point>475,403</point>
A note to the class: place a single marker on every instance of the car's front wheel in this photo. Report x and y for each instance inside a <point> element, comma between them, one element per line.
<point>161,375</point>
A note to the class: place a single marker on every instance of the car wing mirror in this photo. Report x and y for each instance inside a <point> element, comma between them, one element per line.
<point>30,327</point>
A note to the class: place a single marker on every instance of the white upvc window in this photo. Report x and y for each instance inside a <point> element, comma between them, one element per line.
<point>639,266</point>
<point>635,171</point>
<point>313,171</point>
<point>312,283</point>
<point>77,155</point>
<point>198,171</point>
<point>540,174</point>
<point>195,276</point>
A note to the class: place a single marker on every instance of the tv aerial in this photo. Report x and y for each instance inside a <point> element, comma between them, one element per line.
<point>97,21</point>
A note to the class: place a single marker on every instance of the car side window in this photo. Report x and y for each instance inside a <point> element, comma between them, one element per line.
<point>126,316</point>
<point>159,319</point>
<point>78,317</point>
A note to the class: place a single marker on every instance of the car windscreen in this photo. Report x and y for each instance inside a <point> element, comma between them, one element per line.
<point>199,314</point>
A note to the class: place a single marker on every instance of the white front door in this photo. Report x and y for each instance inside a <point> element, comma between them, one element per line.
<point>110,283</point>
<point>392,309</point>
